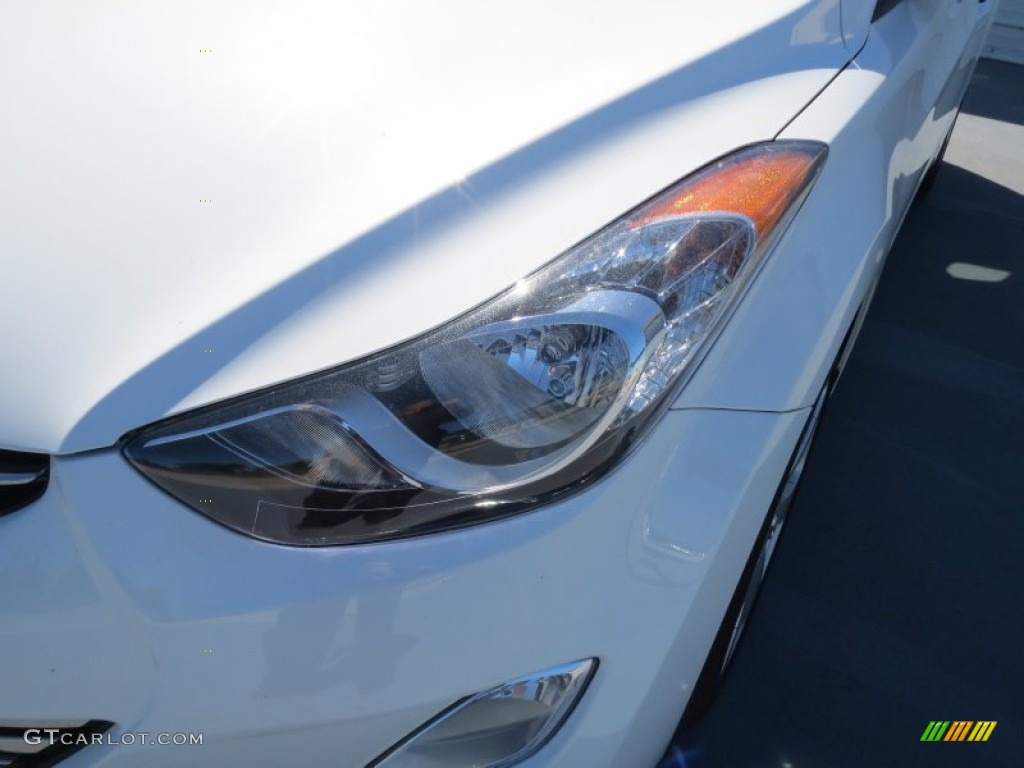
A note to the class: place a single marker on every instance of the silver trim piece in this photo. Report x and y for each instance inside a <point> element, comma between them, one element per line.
<point>14,479</point>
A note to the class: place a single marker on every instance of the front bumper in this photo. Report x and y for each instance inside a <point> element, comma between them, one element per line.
<point>118,603</point>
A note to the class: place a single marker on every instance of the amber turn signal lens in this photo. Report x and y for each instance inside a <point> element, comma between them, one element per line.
<point>760,183</point>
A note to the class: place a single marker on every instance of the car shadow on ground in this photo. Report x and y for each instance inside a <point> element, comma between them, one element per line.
<point>996,92</point>
<point>895,597</point>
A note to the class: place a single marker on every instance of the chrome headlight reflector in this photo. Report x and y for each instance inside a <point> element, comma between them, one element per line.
<point>519,401</point>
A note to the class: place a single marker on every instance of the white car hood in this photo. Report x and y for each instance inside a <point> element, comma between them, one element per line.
<point>204,198</point>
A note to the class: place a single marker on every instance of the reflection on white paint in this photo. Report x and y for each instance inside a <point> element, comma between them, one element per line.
<point>979,274</point>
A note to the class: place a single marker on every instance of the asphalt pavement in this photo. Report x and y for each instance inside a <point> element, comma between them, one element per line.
<point>896,596</point>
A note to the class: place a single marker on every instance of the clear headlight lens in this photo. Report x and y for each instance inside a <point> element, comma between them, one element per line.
<point>523,399</point>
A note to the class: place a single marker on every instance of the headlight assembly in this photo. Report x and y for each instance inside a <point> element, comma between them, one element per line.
<point>517,402</point>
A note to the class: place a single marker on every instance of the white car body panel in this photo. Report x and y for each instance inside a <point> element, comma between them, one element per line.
<point>352,177</point>
<point>342,222</point>
<point>326,657</point>
<point>884,119</point>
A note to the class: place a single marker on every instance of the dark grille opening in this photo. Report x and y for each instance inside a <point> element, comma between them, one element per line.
<point>37,751</point>
<point>23,479</point>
